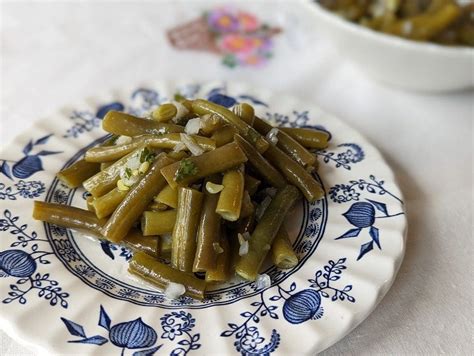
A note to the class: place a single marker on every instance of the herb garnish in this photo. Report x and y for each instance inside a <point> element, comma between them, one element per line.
<point>186,169</point>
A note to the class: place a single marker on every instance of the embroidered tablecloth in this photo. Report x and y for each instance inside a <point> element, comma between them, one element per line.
<point>54,53</point>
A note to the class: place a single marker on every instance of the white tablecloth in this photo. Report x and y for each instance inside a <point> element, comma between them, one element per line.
<point>56,52</point>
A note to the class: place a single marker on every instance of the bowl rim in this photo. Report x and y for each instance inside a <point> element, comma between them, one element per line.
<point>381,37</point>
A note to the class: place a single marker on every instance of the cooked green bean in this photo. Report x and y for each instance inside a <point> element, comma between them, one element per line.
<point>168,196</point>
<point>104,181</point>
<point>120,123</point>
<point>184,233</point>
<point>262,237</point>
<point>104,165</point>
<point>287,144</point>
<point>137,242</point>
<point>169,141</point>
<point>245,112</point>
<point>107,203</point>
<point>260,164</point>
<point>161,275</point>
<point>177,156</point>
<point>166,243</point>
<point>156,206</point>
<point>208,234</point>
<point>283,255</point>
<point>164,113</point>
<point>247,207</point>
<point>89,202</point>
<point>158,222</point>
<point>202,107</point>
<point>251,184</point>
<point>224,135</point>
<point>221,271</point>
<point>78,172</point>
<point>136,201</point>
<point>295,173</point>
<point>210,123</point>
<point>308,137</point>
<point>67,216</point>
<point>191,169</point>
<point>230,198</point>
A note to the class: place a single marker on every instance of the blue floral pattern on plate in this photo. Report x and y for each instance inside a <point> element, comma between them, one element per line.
<point>30,260</point>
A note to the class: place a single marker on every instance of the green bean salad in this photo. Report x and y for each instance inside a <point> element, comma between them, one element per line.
<point>199,192</point>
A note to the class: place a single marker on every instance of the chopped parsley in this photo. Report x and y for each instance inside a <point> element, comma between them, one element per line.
<point>178,97</point>
<point>128,172</point>
<point>146,155</point>
<point>186,169</point>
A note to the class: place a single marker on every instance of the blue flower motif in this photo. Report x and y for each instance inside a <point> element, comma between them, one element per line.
<point>29,190</point>
<point>133,335</point>
<point>103,283</point>
<point>312,229</point>
<point>253,339</point>
<point>60,197</point>
<point>361,214</point>
<point>315,214</point>
<point>154,299</point>
<point>84,270</point>
<point>236,292</point>
<point>58,230</point>
<point>64,248</point>
<point>171,331</point>
<point>128,293</point>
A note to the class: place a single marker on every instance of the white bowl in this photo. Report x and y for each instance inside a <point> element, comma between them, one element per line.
<point>397,61</point>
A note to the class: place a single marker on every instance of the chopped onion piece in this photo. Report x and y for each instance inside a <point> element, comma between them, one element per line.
<point>179,147</point>
<point>263,281</point>
<point>193,126</point>
<point>182,111</point>
<point>272,136</point>
<point>217,248</point>
<point>174,290</point>
<point>244,248</point>
<point>192,146</point>
<point>122,140</point>
<point>214,188</point>
<point>271,192</point>
<point>134,162</point>
<point>262,207</point>
<point>241,238</point>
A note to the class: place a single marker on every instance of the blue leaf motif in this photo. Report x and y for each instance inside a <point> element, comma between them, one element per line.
<point>94,340</point>
<point>253,100</point>
<point>105,245</point>
<point>27,149</point>
<point>47,153</point>
<point>374,233</point>
<point>148,352</point>
<point>367,247</point>
<point>5,169</point>
<point>73,328</point>
<point>223,100</point>
<point>27,166</point>
<point>43,139</point>
<point>106,108</point>
<point>379,206</point>
<point>104,319</point>
<point>349,234</point>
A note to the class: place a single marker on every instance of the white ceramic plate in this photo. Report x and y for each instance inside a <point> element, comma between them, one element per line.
<point>396,61</point>
<point>64,293</point>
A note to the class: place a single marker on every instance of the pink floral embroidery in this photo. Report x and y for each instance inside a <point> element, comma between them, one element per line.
<point>238,36</point>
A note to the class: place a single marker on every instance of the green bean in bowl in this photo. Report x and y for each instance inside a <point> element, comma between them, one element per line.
<point>194,210</point>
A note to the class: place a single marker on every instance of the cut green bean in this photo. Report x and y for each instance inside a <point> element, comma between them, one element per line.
<point>230,198</point>
<point>184,233</point>
<point>67,216</point>
<point>260,164</point>
<point>107,203</point>
<point>120,123</point>
<point>247,208</point>
<point>136,201</point>
<point>78,172</point>
<point>158,222</point>
<point>262,237</point>
<point>295,173</point>
<point>210,123</point>
<point>223,135</point>
<point>309,138</point>
<point>283,255</point>
<point>191,169</point>
<point>166,244</point>
<point>168,196</point>
<point>137,242</point>
<point>156,206</point>
<point>202,107</point>
<point>286,143</point>
<point>165,141</point>
<point>164,113</point>
<point>221,271</point>
<point>106,180</point>
<point>208,234</point>
<point>161,275</point>
<point>245,111</point>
